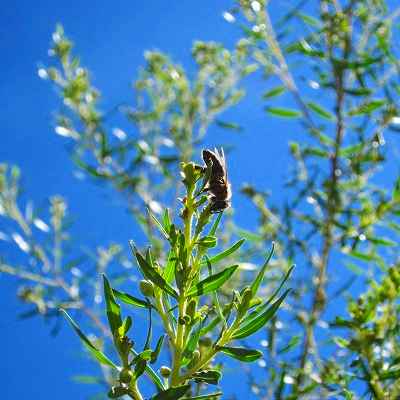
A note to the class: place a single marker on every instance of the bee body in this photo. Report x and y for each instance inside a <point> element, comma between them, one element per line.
<point>218,186</point>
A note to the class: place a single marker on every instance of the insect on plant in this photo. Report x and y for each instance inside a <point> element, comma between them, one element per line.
<point>182,291</point>
<point>217,185</point>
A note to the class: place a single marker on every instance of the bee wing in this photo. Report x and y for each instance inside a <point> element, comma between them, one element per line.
<point>221,156</point>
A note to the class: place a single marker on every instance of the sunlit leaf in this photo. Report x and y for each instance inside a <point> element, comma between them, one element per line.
<point>151,374</point>
<point>129,299</point>
<point>113,309</point>
<point>210,376</point>
<point>220,256</point>
<point>209,396</point>
<point>102,358</point>
<point>277,91</point>
<point>157,350</point>
<point>322,112</point>
<point>368,107</point>
<point>212,282</point>
<point>151,274</point>
<point>260,276</point>
<point>174,393</point>
<point>250,326</point>
<point>241,353</point>
<point>283,112</point>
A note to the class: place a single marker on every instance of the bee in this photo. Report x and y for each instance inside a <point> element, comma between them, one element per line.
<point>217,186</point>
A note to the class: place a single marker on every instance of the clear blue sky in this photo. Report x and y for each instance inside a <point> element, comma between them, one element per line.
<point>110,38</point>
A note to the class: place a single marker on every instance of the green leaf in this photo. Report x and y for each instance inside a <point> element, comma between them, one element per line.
<point>309,20</point>
<point>102,358</point>
<point>215,225</point>
<point>207,241</point>
<point>156,352</point>
<point>211,376</point>
<point>358,91</point>
<point>151,274</point>
<point>149,332</point>
<point>159,225</point>
<point>263,306</point>
<point>212,282</point>
<point>126,325</point>
<point>220,256</point>
<point>205,396</point>
<point>191,345</point>
<point>391,373</point>
<point>151,374</point>
<point>277,91</point>
<point>129,299</point>
<point>363,256</point>
<point>351,150</point>
<point>283,112</point>
<point>293,342</point>
<point>174,393</point>
<point>257,282</point>
<point>322,112</point>
<point>166,221</point>
<point>228,125</point>
<point>241,353</point>
<point>169,270</point>
<point>88,379</point>
<point>368,107</point>
<point>382,241</point>
<point>113,309</point>
<point>250,326</point>
<point>117,391</point>
<point>140,367</point>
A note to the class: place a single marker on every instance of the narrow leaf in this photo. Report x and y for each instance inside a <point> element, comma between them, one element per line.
<point>207,241</point>
<point>293,342</point>
<point>253,325</point>
<point>157,350</point>
<point>205,396</point>
<point>210,376</point>
<point>212,282</point>
<point>159,225</point>
<point>102,358</point>
<point>277,91</point>
<point>113,309</point>
<point>368,107</point>
<point>151,274</point>
<point>320,111</point>
<point>283,112</point>
<point>220,256</point>
<point>173,393</point>
<point>191,345</point>
<point>257,282</point>
<point>117,391</point>
<point>228,125</point>
<point>129,299</point>
<point>241,353</point>
<point>151,374</point>
<point>215,225</point>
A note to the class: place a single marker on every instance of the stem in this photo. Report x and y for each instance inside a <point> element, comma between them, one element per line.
<point>134,392</point>
<point>319,296</point>
<point>182,303</point>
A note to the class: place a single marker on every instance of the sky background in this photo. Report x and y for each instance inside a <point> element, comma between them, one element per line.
<point>110,38</point>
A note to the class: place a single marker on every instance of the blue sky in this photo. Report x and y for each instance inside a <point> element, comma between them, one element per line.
<point>110,38</point>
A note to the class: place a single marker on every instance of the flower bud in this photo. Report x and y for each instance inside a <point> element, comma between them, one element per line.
<point>147,288</point>
<point>165,371</point>
<point>125,375</point>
